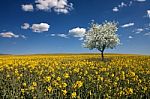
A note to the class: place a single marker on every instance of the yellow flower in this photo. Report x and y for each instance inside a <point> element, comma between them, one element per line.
<point>122,72</point>
<point>101,78</point>
<point>64,85</point>
<point>121,93</point>
<point>76,70</point>
<point>64,92</point>
<point>115,84</point>
<point>47,79</point>
<point>112,75</point>
<point>8,76</point>
<point>55,83</point>
<point>49,88</point>
<point>145,89</point>
<point>129,91</point>
<point>58,78</point>
<point>140,80</point>
<point>132,74</point>
<point>117,78</point>
<point>22,90</point>
<point>34,84</point>
<point>78,84</point>
<point>66,75</point>
<point>31,88</point>
<point>24,84</point>
<point>86,72</point>
<point>73,95</point>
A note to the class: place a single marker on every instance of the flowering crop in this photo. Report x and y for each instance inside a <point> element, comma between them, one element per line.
<point>74,76</point>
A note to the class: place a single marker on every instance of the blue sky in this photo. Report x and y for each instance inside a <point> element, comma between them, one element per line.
<point>52,26</point>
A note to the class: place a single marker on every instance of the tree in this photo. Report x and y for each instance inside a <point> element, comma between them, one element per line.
<point>101,36</point>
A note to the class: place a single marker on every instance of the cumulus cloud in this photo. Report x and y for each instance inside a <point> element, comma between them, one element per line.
<point>42,27</point>
<point>130,37</point>
<point>52,35</point>
<point>77,32</point>
<point>8,35</point>
<point>126,4</point>
<point>62,35</point>
<point>147,34</point>
<point>121,5</point>
<point>59,6</point>
<point>27,7</point>
<point>139,30</point>
<point>127,25</point>
<point>144,30</point>
<point>148,13</point>
<point>25,26</point>
<point>23,36</point>
<point>140,0</point>
<point>115,9</point>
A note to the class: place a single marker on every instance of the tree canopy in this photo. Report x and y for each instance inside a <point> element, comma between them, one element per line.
<point>101,36</point>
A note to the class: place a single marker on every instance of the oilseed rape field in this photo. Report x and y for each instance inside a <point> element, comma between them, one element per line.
<point>82,76</point>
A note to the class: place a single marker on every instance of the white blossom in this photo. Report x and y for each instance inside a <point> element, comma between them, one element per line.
<point>101,36</point>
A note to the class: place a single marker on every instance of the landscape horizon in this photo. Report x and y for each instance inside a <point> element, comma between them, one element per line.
<point>75,49</point>
<point>77,54</point>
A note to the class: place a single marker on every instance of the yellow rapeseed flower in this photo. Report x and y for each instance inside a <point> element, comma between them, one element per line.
<point>58,78</point>
<point>66,75</point>
<point>49,88</point>
<point>34,84</point>
<point>64,85</point>
<point>24,84</point>
<point>47,79</point>
<point>73,95</point>
<point>64,92</point>
<point>128,91</point>
<point>22,90</point>
<point>78,84</point>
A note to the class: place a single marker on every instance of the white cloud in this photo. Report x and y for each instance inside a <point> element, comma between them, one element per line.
<point>25,26</point>
<point>139,30</point>
<point>78,32</point>
<point>147,34</point>
<point>27,7</point>
<point>127,25</point>
<point>52,35</point>
<point>9,35</point>
<point>122,5</point>
<point>42,27</point>
<point>140,0</point>
<point>81,38</point>
<point>115,9</point>
<point>147,28</point>
<point>23,36</point>
<point>62,35</point>
<point>59,6</point>
<point>130,3</point>
<point>130,37</point>
<point>126,4</point>
<point>148,13</point>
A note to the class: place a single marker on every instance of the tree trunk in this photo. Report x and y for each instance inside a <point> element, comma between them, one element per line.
<point>102,54</point>
<point>102,51</point>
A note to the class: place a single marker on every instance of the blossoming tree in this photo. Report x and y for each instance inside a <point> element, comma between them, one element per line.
<point>101,36</point>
